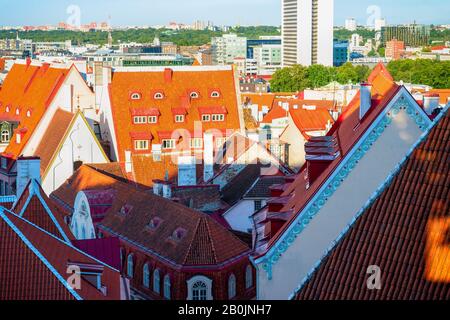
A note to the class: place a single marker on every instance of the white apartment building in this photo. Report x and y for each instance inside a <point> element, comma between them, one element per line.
<point>268,58</point>
<point>228,47</point>
<point>307,32</point>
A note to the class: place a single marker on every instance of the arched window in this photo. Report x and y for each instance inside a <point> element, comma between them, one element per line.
<point>130,265</point>
<point>156,282</point>
<point>232,287</point>
<point>135,96</point>
<point>158,96</point>
<point>167,287</point>
<point>146,276</point>
<point>199,288</point>
<point>215,94</point>
<point>248,277</point>
<point>194,95</point>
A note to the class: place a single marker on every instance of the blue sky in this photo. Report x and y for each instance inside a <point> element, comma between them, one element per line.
<point>229,12</point>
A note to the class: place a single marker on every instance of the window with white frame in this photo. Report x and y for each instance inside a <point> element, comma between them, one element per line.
<point>232,287</point>
<point>141,144</point>
<point>199,288</point>
<point>179,118</point>
<point>258,205</point>
<point>152,119</point>
<point>196,143</point>
<point>218,117</point>
<point>130,265</point>
<point>167,287</point>
<point>248,277</point>
<point>168,144</point>
<point>156,282</point>
<point>140,120</point>
<point>146,276</point>
<point>136,96</point>
<point>206,118</point>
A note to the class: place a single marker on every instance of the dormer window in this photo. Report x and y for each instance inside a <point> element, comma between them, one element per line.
<point>158,96</point>
<point>29,113</point>
<point>5,135</point>
<point>17,111</point>
<point>140,120</point>
<point>215,94</point>
<point>126,210</point>
<point>206,118</point>
<point>179,234</point>
<point>179,118</point>
<point>136,96</point>
<point>194,95</point>
<point>7,109</point>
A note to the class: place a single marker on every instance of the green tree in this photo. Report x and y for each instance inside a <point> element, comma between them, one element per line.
<point>291,79</point>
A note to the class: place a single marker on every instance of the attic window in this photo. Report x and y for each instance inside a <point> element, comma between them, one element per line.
<point>28,113</point>
<point>158,96</point>
<point>215,94</point>
<point>179,234</point>
<point>155,223</point>
<point>7,108</point>
<point>136,96</point>
<point>194,95</point>
<point>17,111</point>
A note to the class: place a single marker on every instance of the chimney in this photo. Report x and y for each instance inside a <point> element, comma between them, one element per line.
<point>28,168</point>
<point>128,162</point>
<point>320,152</point>
<point>28,61</point>
<point>365,98</point>
<point>187,171</point>
<point>208,156</point>
<point>430,102</point>
<point>168,73</point>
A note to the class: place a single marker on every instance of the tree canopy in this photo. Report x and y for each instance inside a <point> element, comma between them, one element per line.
<point>299,78</point>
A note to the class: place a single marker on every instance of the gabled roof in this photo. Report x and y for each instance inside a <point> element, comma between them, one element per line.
<point>29,90</point>
<point>405,232</point>
<point>34,206</point>
<point>33,265</point>
<point>311,120</point>
<point>176,86</point>
<point>347,130</point>
<point>261,188</point>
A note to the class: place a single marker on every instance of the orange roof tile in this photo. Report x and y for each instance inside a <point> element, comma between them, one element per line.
<point>176,87</point>
<point>311,120</point>
<point>28,90</point>
<point>444,95</point>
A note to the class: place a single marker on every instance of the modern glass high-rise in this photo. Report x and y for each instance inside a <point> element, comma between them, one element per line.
<point>307,32</point>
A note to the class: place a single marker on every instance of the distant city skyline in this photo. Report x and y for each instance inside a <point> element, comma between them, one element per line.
<point>221,12</point>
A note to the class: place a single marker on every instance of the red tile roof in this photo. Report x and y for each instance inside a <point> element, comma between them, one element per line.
<point>33,265</point>
<point>347,130</point>
<point>311,120</point>
<point>28,89</point>
<point>176,87</point>
<point>405,232</point>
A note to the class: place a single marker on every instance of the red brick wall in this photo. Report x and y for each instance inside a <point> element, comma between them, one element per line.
<point>179,290</point>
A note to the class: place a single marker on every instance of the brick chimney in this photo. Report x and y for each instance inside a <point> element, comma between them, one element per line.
<point>320,152</point>
<point>168,74</point>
